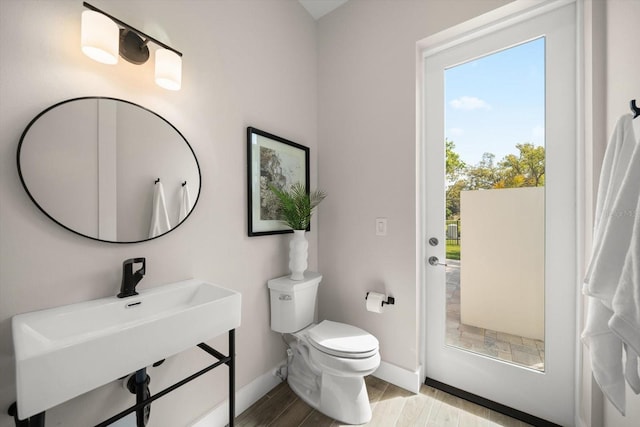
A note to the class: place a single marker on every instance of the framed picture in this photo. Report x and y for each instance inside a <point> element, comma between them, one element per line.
<point>271,161</point>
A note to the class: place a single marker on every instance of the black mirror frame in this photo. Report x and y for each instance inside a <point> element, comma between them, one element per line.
<point>24,185</point>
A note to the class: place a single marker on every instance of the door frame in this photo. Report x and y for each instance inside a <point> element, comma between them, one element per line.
<point>586,397</point>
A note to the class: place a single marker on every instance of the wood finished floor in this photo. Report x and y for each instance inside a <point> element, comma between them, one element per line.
<point>391,405</point>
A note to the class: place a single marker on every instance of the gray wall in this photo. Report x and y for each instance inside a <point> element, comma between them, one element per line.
<point>245,63</point>
<point>622,85</point>
<point>367,140</point>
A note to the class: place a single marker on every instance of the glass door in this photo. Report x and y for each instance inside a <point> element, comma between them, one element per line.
<point>499,178</point>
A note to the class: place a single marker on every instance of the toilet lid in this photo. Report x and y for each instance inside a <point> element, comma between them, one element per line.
<point>339,339</point>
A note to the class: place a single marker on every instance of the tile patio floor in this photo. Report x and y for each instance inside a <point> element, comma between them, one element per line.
<point>519,350</point>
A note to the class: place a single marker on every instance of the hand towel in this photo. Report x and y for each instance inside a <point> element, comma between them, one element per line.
<point>159,217</point>
<point>618,195</point>
<point>185,203</point>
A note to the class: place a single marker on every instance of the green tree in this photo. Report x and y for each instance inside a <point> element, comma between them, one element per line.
<point>484,175</point>
<point>454,164</point>
<point>455,167</point>
<point>525,170</point>
<point>453,198</point>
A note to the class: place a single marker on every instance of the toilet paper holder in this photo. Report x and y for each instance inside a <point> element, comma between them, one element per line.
<point>390,300</point>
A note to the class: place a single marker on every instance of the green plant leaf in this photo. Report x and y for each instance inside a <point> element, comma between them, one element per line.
<point>297,205</point>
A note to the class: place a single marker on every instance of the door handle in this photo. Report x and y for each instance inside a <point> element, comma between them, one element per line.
<point>433,260</point>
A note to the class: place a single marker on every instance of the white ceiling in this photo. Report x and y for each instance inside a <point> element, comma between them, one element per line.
<point>319,8</point>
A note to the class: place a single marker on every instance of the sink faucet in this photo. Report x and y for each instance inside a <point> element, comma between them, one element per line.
<point>129,278</point>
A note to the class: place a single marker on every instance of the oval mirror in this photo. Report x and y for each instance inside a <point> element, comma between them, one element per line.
<point>91,165</point>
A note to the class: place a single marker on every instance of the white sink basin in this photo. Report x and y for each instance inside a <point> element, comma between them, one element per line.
<point>66,351</point>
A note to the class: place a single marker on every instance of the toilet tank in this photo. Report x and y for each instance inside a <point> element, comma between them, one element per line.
<point>293,302</point>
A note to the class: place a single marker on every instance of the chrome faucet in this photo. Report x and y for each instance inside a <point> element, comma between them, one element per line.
<point>129,278</point>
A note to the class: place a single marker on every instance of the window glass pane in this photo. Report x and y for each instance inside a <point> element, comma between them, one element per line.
<point>495,178</point>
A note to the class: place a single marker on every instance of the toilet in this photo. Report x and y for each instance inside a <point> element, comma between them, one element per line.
<point>327,362</point>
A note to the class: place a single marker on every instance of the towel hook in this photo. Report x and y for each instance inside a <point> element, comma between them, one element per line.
<point>634,108</point>
<point>157,181</point>
<point>184,183</point>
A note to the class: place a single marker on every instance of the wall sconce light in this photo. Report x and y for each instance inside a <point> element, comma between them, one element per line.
<point>104,37</point>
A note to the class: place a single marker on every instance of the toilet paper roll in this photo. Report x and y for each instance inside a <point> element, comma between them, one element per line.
<point>374,302</point>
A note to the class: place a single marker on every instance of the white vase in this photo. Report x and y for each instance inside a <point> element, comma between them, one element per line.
<point>298,254</point>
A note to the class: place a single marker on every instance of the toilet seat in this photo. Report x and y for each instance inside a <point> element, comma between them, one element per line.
<point>342,340</point>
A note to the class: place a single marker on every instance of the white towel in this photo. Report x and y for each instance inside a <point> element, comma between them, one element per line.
<point>625,322</point>
<point>613,225</point>
<point>185,203</point>
<point>618,195</point>
<point>605,351</point>
<point>159,217</point>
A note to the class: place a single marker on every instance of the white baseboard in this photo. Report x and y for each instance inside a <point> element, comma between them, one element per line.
<point>245,397</point>
<point>403,378</point>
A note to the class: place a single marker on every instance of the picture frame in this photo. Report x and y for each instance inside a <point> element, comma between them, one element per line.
<point>271,160</point>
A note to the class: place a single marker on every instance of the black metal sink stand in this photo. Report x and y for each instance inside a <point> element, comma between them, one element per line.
<point>38,419</point>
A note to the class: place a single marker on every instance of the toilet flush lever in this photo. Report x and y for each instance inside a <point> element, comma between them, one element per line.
<point>433,260</point>
<point>284,297</point>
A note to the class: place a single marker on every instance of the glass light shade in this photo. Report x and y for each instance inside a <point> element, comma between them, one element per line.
<point>100,37</point>
<point>168,69</point>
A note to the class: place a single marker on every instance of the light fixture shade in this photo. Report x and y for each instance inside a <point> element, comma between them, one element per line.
<point>100,37</point>
<point>168,69</point>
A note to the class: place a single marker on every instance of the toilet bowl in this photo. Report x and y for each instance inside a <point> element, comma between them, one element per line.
<point>329,360</point>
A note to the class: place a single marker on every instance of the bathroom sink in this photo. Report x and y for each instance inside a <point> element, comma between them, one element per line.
<point>66,351</point>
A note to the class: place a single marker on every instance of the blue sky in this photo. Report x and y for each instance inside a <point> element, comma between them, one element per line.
<point>495,102</point>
